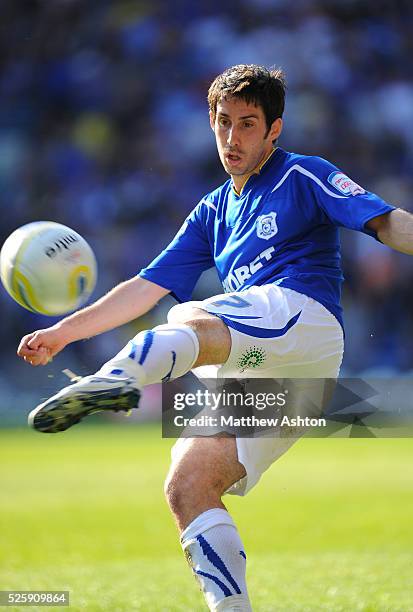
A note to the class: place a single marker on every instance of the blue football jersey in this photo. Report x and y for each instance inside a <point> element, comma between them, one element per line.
<point>282,228</point>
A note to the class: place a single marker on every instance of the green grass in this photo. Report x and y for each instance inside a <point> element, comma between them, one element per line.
<point>328,528</point>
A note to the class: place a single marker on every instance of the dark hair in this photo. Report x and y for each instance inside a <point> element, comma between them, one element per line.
<point>254,84</point>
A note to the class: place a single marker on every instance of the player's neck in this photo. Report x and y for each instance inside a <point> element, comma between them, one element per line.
<point>239,182</point>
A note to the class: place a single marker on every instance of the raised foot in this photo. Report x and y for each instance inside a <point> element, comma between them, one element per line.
<point>86,397</point>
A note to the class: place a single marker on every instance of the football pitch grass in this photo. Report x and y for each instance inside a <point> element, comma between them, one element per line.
<point>329,527</point>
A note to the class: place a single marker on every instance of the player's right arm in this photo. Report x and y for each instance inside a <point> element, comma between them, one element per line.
<point>175,270</point>
<point>125,302</point>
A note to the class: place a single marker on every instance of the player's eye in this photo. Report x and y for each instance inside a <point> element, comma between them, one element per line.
<point>248,124</point>
<point>222,121</point>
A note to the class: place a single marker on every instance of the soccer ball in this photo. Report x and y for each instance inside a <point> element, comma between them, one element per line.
<point>48,268</point>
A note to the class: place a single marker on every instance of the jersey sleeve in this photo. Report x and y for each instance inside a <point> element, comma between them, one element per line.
<point>343,202</point>
<point>180,265</point>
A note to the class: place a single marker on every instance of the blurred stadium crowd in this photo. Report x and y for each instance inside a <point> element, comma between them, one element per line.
<point>104,127</point>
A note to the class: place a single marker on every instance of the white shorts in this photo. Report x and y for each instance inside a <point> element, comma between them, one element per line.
<point>276,333</point>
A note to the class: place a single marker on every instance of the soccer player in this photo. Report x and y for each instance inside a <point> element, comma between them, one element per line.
<point>271,230</point>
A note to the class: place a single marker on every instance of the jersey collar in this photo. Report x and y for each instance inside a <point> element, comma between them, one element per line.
<point>261,167</point>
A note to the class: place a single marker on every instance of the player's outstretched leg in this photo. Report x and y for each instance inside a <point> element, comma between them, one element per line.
<point>202,471</point>
<point>152,356</point>
<point>157,355</point>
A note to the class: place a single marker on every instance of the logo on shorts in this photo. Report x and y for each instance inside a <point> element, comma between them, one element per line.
<point>344,184</point>
<point>267,226</point>
<point>253,357</point>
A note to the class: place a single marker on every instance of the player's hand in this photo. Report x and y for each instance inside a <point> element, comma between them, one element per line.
<point>39,347</point>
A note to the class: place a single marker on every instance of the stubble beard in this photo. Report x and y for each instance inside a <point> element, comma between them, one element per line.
<point>247,169</point>
<point>229,169</point>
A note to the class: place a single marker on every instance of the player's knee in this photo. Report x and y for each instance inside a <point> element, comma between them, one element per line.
<point>177,492</point>
<point>213,335</point>
<point>179,313</point>
<point>174,493</point>
<point>184,488</point>
<point>183,313</point>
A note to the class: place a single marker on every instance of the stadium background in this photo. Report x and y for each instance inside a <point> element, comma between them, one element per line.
<point>104,127</point>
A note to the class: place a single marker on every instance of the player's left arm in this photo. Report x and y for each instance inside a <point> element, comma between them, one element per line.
<point>394,229</point>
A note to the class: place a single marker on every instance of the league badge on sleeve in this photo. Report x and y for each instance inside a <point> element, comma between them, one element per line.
<point>267,226</point>
<point>344,184</point>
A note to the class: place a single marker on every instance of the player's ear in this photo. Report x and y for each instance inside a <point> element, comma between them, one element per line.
<point>276,129</point>
<point>211,121</point>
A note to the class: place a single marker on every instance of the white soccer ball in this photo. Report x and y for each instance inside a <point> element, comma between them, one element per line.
<point>48,268</point>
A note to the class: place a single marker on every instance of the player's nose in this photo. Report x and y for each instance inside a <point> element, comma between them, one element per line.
<point>232,136</point>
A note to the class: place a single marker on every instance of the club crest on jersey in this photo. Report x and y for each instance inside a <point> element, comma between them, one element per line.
<point>267,226</point>
<point>344,184</point>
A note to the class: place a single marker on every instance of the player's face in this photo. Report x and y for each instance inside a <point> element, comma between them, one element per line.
<point>243,138</point>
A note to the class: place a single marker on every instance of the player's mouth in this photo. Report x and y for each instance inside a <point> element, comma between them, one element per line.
<point>233,159</point>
